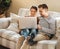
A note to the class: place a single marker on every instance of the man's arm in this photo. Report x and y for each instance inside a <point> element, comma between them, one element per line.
<point>50,30</point>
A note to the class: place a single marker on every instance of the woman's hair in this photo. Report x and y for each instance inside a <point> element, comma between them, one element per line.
<point>44,6</point>
<point>34,7</point>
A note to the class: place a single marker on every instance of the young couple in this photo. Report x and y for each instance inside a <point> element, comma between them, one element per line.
<point>45,27</point>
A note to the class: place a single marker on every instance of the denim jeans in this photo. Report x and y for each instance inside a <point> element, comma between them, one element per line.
<point>27,32</point>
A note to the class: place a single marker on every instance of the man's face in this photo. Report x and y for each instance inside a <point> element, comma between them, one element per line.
<point>33,12</point>
<point>43,12</point>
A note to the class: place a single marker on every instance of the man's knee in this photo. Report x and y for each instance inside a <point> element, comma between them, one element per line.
<point>40,37</point>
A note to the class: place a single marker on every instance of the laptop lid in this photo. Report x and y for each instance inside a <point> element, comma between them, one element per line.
<point>27,22</point>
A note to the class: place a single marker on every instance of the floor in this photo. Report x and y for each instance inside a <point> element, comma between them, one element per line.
<point>1,47</point>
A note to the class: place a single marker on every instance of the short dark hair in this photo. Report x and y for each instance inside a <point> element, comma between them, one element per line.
<point>34,7</point>
<point>44,6</point>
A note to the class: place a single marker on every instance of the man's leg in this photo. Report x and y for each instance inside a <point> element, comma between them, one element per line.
<point>25,45</point>
<point>40,37</point>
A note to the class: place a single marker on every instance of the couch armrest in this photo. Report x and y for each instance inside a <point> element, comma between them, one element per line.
<point>4,23</point>
<point>58,43</point>
<point>12,36</point>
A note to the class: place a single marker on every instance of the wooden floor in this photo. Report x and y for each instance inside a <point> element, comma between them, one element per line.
<point>1,47</point>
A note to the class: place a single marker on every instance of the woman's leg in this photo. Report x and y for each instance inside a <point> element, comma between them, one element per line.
<point>34,31</point>
<point>25,45</point>
<point>25,32</point>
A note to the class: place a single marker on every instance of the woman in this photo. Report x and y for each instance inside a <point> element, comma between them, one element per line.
<point>29,34</point>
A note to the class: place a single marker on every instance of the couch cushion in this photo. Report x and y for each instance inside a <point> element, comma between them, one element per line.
<point>9,35</point>
<point>4,23</point>
<point>45,44</point>
<point>14,18</point>
<point>13,27</point>
<point>14,23</point>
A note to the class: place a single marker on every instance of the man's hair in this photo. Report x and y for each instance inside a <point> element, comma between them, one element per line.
<point>44,6</point>
<point>34,7</point>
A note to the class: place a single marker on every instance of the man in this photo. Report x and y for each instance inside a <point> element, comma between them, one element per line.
<point>46,26</point>
<point>47,23</point>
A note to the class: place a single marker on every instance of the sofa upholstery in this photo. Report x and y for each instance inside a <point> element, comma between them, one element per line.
<point>45,44</point>
<point>8,37</point>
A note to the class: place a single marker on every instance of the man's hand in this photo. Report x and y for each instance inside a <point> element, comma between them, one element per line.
<point>39,27</point>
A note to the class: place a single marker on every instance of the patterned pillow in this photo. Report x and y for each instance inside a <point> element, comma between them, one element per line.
<point>14,23</point>
<point>13,27</point>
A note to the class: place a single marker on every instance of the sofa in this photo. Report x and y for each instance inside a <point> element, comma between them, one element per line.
<point>9,36</point>
<point>9,33</point>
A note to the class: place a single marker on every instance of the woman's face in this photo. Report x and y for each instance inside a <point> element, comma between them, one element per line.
<point>33,12</point>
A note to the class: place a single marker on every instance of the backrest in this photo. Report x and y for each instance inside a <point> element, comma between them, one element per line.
<point>26,11</point>
<point>23,12</point>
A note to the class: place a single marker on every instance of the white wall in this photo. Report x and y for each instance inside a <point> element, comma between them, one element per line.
<point>54,5</point>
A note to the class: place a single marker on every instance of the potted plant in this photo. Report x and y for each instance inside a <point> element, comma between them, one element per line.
<point>4,6</point>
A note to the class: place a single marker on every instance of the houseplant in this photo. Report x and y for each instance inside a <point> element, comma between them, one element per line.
<point>4,6</point>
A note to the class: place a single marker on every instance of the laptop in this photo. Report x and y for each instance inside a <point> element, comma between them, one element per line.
<point>27,22</point>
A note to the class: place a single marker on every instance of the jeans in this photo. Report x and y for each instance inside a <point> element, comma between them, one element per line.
<point>27,32</point>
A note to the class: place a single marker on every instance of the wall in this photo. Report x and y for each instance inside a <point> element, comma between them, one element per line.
<point>54,5</point>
